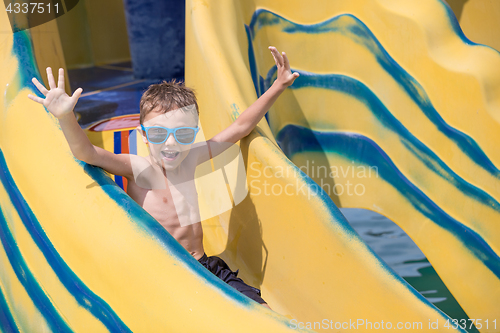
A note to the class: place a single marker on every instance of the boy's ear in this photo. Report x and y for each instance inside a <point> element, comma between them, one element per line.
<point>143,134</point>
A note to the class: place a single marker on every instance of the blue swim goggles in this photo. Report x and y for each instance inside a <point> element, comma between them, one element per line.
<point>158,135</point>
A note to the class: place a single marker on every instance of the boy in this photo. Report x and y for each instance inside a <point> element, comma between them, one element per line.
<point>163,182</point>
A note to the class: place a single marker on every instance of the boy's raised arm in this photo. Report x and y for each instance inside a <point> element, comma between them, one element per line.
<point>61,106</point>
<point>247,121</point>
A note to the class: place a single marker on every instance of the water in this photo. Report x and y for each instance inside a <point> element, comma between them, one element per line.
<point>397,249</point>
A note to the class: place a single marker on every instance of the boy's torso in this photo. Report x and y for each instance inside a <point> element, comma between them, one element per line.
<point>174,204</point>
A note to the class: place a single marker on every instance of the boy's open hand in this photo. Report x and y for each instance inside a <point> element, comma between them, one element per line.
<point>56,100</point>
<point>285,76</point>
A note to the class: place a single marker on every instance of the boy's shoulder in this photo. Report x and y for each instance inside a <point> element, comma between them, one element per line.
<point>145,174</point>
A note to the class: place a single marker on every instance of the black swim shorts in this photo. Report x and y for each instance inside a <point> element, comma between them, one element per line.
<point>220,269</point>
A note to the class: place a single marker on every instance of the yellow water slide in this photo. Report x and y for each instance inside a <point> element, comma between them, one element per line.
<point>77,254</point>
<point>398,112</point>
<point>395,111</point>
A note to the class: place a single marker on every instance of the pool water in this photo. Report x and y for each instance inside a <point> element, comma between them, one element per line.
<point>397,249</point>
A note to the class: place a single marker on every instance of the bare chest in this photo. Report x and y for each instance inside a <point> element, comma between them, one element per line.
<point>174,206</point>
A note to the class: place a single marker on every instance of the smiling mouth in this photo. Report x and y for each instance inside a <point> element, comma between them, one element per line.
<point>170,155</point>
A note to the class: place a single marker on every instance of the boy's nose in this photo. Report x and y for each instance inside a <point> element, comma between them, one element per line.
<point>171,140</point>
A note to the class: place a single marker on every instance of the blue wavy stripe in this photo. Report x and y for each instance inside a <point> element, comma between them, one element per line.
<point>83,295</point>
<point>260,22</point>
<point>351,27</point>
<point>456,25</point>
<point>30,284</point>
<point>360,149</point>
<point>251,58</point>
<point>363,94</point>
<point>7,322</point>
<point>27,68</point>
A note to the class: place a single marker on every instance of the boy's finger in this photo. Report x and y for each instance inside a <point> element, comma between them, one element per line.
<point>76,94</point>
<point>276,55</point>
<point>276,61</point>
<point>272,53</point>
<point>36,98</point>
<point>50,77</point>
<point>279,57</point>
<point>60,80</point>
<point>40,87</point>
<point>285,61</point>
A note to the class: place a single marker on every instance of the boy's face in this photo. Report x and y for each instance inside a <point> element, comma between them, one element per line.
<point>169,154</point>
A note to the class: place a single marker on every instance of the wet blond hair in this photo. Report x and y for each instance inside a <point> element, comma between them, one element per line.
<point>165,97</point>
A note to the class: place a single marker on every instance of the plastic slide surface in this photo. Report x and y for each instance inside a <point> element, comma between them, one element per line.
<point>405,119</point>
<point>395,111</point>
<point>78,255</point>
